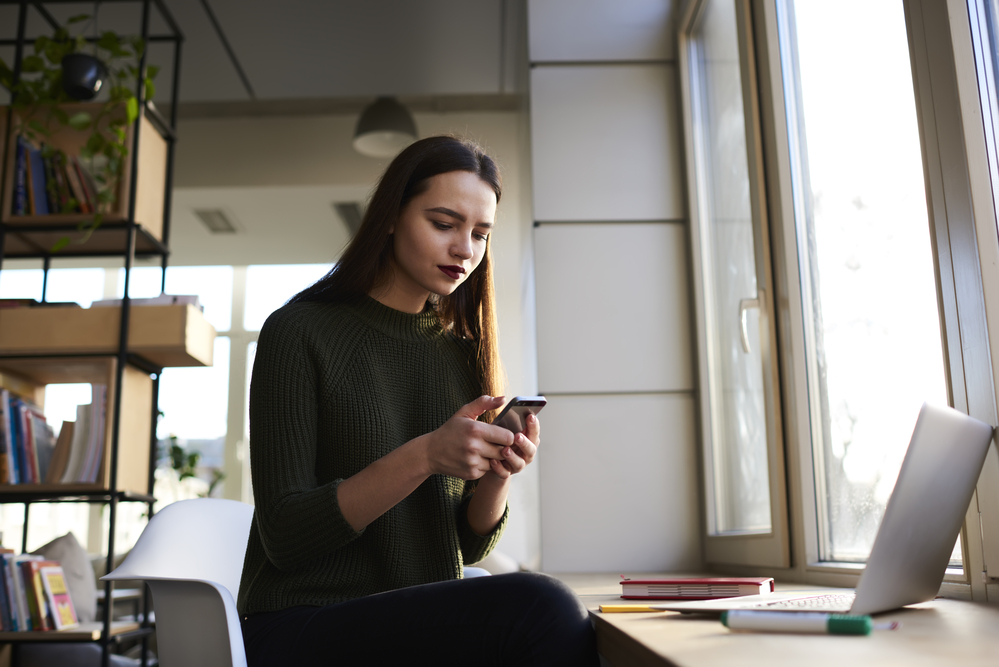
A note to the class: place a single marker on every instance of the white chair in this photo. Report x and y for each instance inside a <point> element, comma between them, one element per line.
<point>191,556</point>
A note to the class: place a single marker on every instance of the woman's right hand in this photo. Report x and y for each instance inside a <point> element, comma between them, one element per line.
<point>463,445</point>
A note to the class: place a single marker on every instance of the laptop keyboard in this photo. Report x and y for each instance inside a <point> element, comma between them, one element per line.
<point>828,602</point>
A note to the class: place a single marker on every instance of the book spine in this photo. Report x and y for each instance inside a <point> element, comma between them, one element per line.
<point>8,585</point>
<point>29,574</point>
<point>13,418</point>
<point>36,167</point>
<point>75,186</point>
<point>5,602</point>
<point>89,195</point>
<point>51,186</point>
<point>9,435</point>
<point>20,203</point>
<point>23,621</point>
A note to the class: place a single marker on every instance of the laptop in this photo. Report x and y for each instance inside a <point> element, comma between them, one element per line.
<point>917,534</point>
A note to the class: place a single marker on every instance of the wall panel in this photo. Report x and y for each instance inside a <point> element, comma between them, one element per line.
<point>613,308</point>
<point>606,143</point>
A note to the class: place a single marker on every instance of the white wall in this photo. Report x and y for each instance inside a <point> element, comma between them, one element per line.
<point>618,464</point>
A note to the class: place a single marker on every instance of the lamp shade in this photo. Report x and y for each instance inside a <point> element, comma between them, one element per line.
<point>384,128</point>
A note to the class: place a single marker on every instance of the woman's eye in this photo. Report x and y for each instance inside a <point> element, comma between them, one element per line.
<point>481,237</point>
<point>440,225</point>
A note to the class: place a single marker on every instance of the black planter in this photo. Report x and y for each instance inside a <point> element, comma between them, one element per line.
<point>82,76</point>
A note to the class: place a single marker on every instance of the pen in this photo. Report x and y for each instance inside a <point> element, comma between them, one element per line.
<point>807,622</point>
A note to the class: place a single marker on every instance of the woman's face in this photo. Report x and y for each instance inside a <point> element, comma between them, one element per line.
<point>439,239</point>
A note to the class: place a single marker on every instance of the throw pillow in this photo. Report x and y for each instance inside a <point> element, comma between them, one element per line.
<point>79,573</point>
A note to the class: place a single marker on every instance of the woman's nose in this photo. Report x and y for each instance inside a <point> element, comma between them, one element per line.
<point>462,248</point>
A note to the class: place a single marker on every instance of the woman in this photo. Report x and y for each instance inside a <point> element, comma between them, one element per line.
<point>374,478</point>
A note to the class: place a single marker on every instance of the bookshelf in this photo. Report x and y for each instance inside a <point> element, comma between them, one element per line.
<point>124,347</point>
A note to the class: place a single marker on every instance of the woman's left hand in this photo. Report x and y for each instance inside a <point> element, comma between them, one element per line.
<point>518,456</point>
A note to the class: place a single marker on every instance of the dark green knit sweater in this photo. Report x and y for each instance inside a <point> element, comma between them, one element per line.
<point>334,388</point>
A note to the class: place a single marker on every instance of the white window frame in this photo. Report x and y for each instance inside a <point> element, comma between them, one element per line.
<point>961,206</point>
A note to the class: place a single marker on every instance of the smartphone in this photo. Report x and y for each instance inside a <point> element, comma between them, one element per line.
<point>514,414</point>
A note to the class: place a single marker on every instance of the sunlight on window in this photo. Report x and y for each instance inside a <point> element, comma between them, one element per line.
<point>195,401</point>
<point>212,284</point>
<point>268,287</point>
<point>875,350</point>
<point>82,286</point>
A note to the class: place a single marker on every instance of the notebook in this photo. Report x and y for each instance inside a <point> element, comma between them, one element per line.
<point>917,534</point>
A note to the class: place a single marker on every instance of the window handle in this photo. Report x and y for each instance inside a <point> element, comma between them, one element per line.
<point>745,305</point>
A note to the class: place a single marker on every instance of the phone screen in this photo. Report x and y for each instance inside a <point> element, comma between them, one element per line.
<point>514,415</point>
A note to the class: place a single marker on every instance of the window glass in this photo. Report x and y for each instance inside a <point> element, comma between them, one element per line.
<point>738,474</point>
<point>869,295</point>
<point>268,287</point>
<point>212,284</point>
<point>195,401</point>
<point>82,286</point>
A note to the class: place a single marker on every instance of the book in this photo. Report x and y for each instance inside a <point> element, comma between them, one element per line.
<point>89,200</point>
<point>44,444</point>
<point>12,424</point>
<point>60,455</point>
<point>76,187</point>
<point>161,300</point>
<point>36,176</point>
<point>20,203</point>
<point>78,445</point>
<point>51,184</point>
<point>19,604</point>
<point>34,593</point>
<point>90,469</point>
<point>57,596</point>
<point>8,600</point>
<point>684,588</point>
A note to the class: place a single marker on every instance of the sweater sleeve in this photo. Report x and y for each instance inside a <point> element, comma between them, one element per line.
<point>298,518</point>
<point>475,547</point>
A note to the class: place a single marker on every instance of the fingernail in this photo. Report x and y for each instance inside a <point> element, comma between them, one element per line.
<point>531,418</point>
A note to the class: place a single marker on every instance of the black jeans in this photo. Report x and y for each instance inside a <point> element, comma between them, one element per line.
<point>509,619</point>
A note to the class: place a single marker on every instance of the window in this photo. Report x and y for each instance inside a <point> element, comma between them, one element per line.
<point>740,410</point>
<point>869,302</point>
<point>859,128</point>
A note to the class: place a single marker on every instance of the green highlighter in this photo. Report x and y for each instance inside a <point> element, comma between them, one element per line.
<point>792,621</point>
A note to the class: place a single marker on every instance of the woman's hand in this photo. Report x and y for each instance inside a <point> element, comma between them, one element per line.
<point>521,453</point>
<point>466,448</point>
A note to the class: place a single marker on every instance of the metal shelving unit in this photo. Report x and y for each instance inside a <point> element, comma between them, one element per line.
<point>122,238</point>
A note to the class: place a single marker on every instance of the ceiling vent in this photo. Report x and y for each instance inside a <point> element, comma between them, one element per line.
<point>350,213</point>
<point>216,220</point>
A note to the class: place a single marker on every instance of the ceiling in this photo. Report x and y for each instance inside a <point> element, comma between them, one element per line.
<point>243,59</point>
<point>265,51</point>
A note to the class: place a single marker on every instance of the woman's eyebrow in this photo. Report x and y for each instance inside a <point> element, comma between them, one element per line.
<point>446,211</point>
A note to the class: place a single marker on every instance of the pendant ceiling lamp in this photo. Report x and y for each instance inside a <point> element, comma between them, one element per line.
<point>384,128</point>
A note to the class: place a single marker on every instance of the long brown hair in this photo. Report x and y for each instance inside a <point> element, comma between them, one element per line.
<point>470,311</point>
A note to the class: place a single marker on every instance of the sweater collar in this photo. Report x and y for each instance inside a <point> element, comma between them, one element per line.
<point>395,322</point>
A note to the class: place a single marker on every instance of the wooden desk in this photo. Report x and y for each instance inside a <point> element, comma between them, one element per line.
<point>939,632</point>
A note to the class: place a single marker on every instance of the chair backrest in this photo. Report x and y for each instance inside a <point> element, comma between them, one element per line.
<point>198,540</point>
<point>191,556</point>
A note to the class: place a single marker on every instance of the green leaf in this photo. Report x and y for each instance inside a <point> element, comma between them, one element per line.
<point>59,245</point>
<point>77,18</point>
<point>150,88</point>
<point>60,115</point>
<point>79,121</point>
<point>132,109</point>
<point>86,153</point>
<point>95,144</point>
<point>139,45</point>
<point>152,71</point>
<point>32,64</point>
<point>109,42</point>
<point>38,127</point>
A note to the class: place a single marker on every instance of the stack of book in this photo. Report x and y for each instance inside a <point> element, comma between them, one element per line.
<point>33,594</point>
<point>30,453</point>
<point>689,588</point>
<point>48,182</point>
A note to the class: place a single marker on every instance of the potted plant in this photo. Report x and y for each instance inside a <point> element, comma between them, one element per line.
<point>65,69</point>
